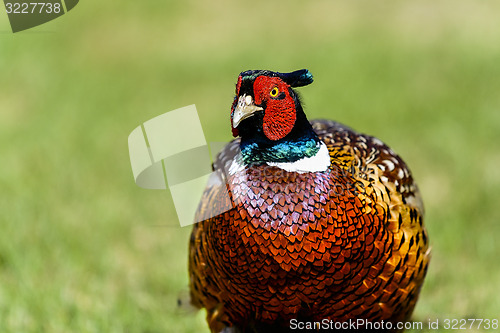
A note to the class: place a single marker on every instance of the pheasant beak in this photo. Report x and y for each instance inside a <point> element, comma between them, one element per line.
<point>244,109</point>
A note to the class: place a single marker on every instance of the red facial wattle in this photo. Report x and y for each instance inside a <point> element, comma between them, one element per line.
<point>280,114</point>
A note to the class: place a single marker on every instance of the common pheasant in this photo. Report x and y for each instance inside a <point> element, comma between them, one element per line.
<point>325,224</point>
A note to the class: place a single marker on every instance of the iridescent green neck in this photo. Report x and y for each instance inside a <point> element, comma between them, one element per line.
<point>254,153</point>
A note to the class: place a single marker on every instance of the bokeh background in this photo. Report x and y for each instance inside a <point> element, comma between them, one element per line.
<point>83,249</point>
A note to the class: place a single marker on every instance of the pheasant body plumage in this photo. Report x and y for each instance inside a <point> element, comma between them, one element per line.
<point>345,242</point>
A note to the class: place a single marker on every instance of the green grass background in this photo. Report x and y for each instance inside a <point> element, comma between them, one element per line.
<point>83,249</point>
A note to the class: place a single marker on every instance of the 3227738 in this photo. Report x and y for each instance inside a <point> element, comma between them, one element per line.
<point>32,8</point>
<point>463,324</point>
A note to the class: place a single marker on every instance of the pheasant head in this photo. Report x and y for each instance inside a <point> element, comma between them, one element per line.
<point>268,116</point>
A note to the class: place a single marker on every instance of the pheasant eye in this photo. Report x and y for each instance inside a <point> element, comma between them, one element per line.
<point>274,92</point>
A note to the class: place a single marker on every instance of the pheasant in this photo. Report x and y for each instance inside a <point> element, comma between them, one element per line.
<point>324,226</point>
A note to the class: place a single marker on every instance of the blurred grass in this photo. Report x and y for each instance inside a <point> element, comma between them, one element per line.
<point>82,249</point>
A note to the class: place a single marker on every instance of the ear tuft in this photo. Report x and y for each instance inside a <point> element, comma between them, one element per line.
<point>298,78</point>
